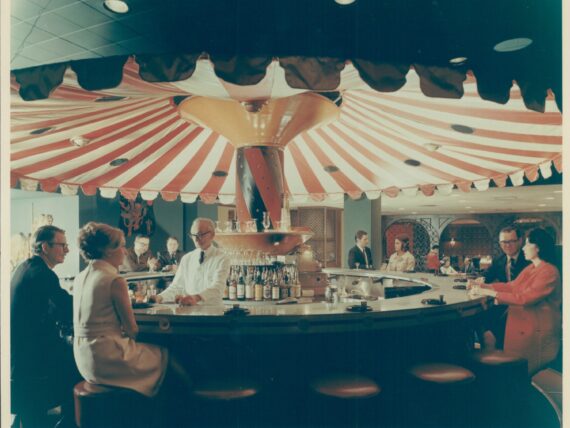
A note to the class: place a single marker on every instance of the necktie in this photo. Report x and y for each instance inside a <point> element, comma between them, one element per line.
<point>365,257</point>
<point>510,268</point>
<point>202,257</point>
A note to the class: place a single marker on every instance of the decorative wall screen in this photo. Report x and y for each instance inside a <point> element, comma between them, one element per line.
<point>326,226</point>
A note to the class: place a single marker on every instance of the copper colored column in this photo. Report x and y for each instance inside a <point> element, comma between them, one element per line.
<point>259,183</point>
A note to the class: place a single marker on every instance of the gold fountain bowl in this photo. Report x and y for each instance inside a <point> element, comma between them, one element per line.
<point>272,242</point>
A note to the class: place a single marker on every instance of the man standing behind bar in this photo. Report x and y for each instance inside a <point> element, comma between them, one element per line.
<point>140,258</point>
<point>43,371</point>
<point>201,276</point>
<point>360,254</point>
<point>504,269</point>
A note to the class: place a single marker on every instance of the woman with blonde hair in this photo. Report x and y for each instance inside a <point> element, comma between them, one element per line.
<point>105,348</point>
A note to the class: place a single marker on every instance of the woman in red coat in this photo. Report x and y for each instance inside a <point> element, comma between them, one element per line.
<point>534,323</point>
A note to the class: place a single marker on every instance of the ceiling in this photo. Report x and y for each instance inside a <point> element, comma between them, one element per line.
<point>525,199</point>
<point>436,133</point>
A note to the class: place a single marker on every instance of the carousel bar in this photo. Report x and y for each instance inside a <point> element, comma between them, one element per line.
<point>307,236</point>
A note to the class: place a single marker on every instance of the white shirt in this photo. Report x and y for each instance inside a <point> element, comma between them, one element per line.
<point>207,279</point>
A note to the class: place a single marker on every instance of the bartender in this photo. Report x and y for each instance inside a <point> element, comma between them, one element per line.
<point>202,273</point>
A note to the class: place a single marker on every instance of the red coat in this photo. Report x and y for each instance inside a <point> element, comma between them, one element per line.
<point>534,323</point>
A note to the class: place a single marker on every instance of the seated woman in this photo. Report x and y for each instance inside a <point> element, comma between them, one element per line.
<point>446,268</point>
<point>105,328</point>
<point>401,260</point>
<point>534,321</point>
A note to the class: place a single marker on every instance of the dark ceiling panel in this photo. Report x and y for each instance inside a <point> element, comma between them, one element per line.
<point>115,31</point>
<point>84,15</point>
<point>87,39</point>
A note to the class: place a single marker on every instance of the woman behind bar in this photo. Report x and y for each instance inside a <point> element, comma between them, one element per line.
<point>534,321</point>
<point>401,260</point>
<point>446,268</point>
<point>105,328</point>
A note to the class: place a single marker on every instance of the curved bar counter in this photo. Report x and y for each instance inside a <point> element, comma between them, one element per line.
<point>320,317</point>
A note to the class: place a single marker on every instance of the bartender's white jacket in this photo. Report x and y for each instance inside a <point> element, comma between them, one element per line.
<point>207,279</point>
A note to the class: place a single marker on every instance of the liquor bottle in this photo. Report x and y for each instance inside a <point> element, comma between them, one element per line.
<point>240,285</point>
<point>233,286</point>
<point>226,295</point>
<point>258,287</point>
<point>266,286</point>
<point>275,289</point>
<point>249,285</point>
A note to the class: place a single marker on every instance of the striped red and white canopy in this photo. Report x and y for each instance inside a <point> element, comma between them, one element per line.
<point>383,143</point>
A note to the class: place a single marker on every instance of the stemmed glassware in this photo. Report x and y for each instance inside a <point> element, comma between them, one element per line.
<point>357,265</point>
<point>266,221</point>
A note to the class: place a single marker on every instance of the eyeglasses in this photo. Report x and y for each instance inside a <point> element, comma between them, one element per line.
<point>512,241</point>
<point>199,235</point>
<point>63,245</point>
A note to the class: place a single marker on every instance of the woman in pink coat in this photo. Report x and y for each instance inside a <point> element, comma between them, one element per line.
<point>534,323</point>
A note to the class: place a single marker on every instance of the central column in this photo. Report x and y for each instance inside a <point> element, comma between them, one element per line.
<point>259,130</point>
<point>259,183</point>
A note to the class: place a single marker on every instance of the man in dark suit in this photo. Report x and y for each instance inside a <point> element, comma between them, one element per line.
<point>170,259</point>
<point>140,257</point>
<point>42,368</point>
<point>360,253</point>
<point>505,268</point>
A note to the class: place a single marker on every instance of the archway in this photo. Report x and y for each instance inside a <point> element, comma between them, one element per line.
<point>465,237</point>
<point>419,240</point>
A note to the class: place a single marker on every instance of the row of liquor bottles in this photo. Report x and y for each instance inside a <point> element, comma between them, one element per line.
<point>262,283</point>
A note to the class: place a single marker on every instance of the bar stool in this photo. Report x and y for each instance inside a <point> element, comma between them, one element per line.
<point>344,399</point>
<point>226,402</point>
<point>100,406</point>
<point>441,394</point>
<point>498,375</point>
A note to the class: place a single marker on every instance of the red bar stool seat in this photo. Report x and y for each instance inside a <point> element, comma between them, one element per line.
<point>100,406</point>
<point>344,385</point>
<point>226,389</point>
<point>227,401</point>
<point>344,399</point>
<point>442,373</point>
<point>441,394</point>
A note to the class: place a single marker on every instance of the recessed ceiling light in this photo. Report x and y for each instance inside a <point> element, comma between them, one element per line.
<point>109,99</point>
<point>79,141</point>
<point>512,45</point>
<point>116,6</point>
<point>431,147</point>
<point>331,168</point>
<point>462,128</point>
<point>458,60</point>
<point>219,173</point>
<point>41,130</point>
<point>118,161</point>
<point>344,2</point>
<point>412,162</point>
<point>541,205</point>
